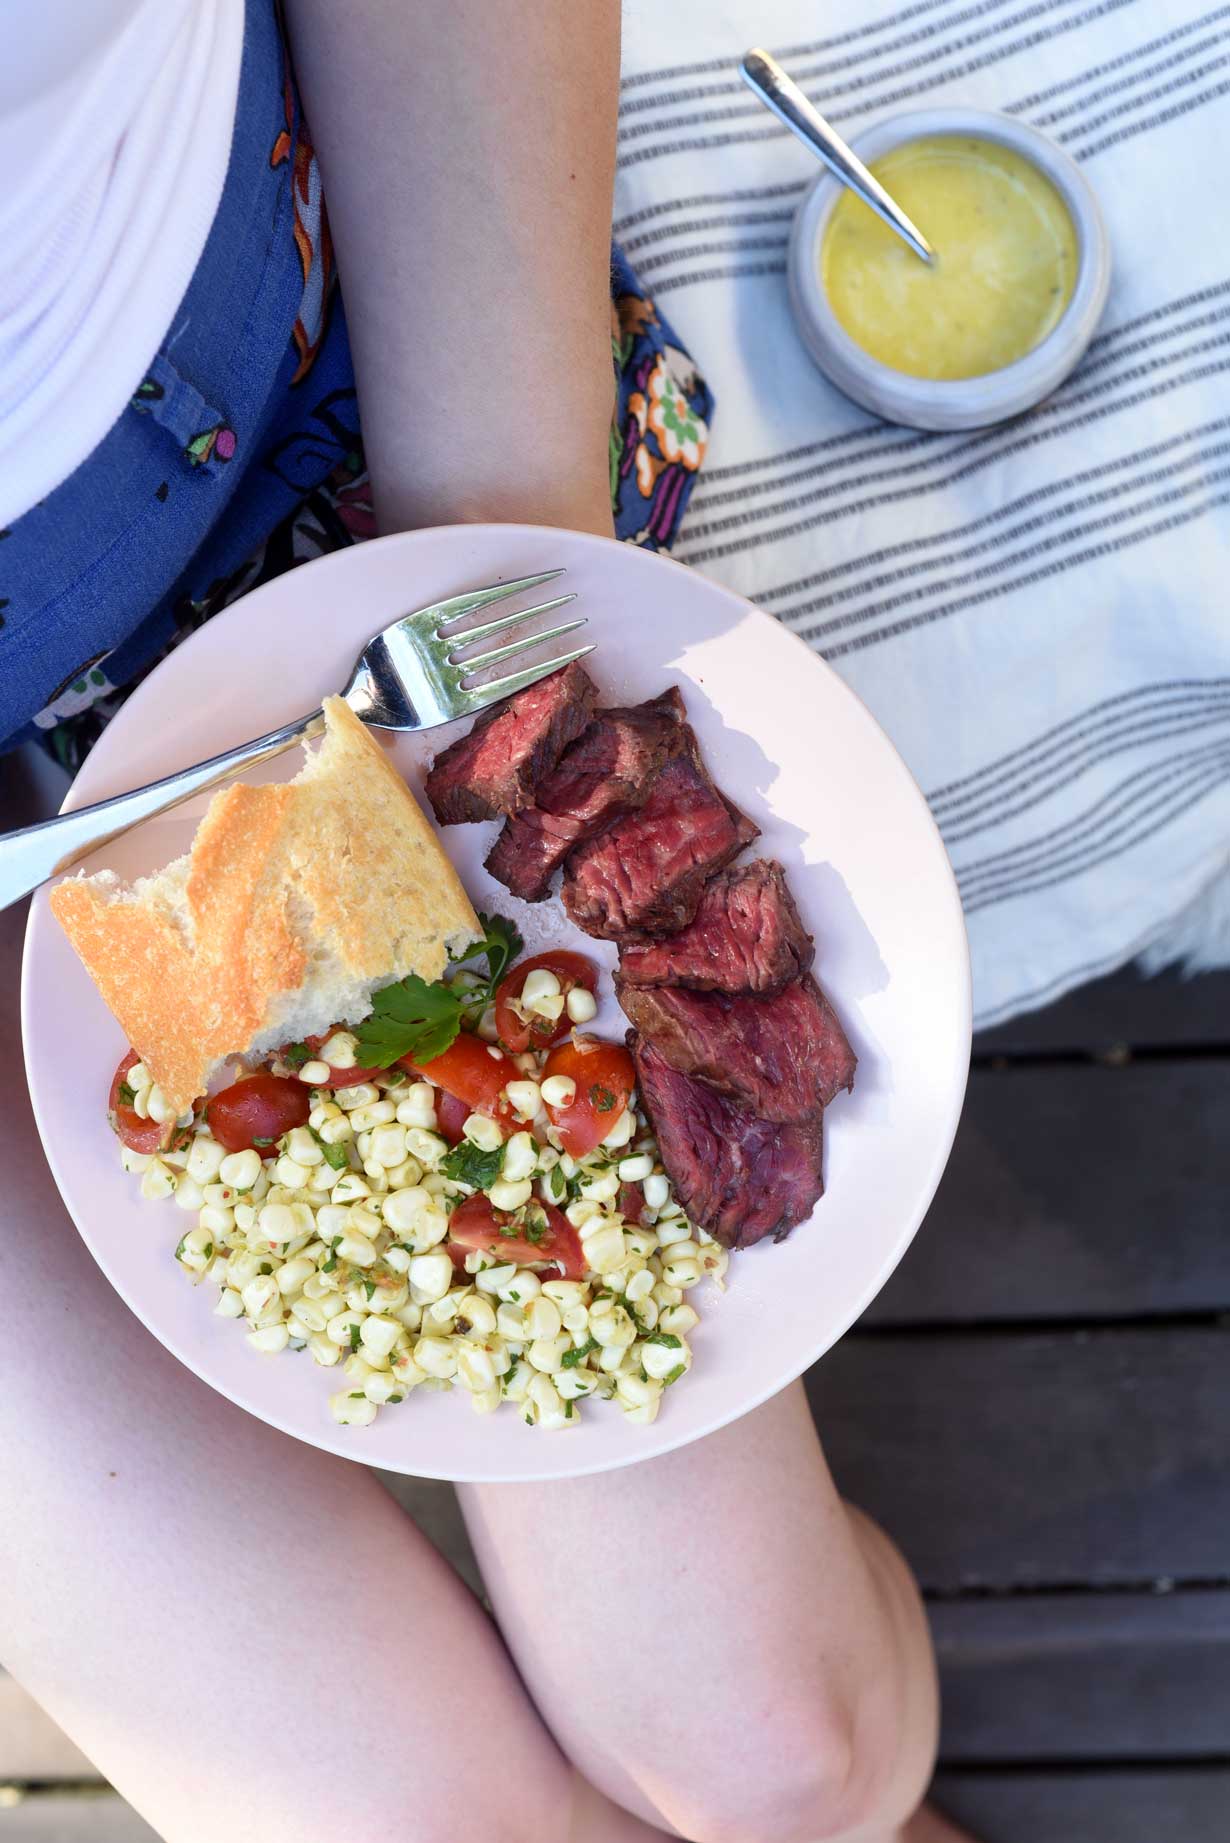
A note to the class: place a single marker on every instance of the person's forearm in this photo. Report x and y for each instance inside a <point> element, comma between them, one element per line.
<point>467,155</point>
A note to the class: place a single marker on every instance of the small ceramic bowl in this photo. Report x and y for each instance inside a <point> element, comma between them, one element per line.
<point>951,403</point>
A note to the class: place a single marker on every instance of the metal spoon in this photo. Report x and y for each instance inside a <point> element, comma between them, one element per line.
<point>778,92</point>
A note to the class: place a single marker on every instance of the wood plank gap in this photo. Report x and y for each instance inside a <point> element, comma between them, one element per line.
<point>954,1328</point>
<point>1162,1587</point>
<point>1062,1766</point>
<point>1112,1056</point>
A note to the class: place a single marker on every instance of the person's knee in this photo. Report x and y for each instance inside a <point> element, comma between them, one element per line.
<point>801,1771</point>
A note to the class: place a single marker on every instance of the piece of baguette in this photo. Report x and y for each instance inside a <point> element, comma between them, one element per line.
<point>295,903</point>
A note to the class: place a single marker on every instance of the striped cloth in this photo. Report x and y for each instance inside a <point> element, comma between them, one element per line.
<point>1036,613</point>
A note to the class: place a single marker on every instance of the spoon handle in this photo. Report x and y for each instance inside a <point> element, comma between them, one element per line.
<point>763,74</point>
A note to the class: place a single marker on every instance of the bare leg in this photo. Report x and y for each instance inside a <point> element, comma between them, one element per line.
<point>716,1640</point>
<point>245,1635</point>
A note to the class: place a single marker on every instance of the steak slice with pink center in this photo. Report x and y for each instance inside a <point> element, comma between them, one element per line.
<point>783,1057</point>
<point>497,766</point>
<point>607,772</point>
<point>645,873</point>
<point>746,936</point>
<point>737,1176</point>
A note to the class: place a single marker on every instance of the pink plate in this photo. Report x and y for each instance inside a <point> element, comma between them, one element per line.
<point>786,739</point>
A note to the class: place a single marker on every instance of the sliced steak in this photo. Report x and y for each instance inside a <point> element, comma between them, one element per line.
<point>738,1176</point>
<point>645,873</point>
<point>607,772</point>
<point>783,1057</point>
<point>746,936</point>
<point>498,765</point>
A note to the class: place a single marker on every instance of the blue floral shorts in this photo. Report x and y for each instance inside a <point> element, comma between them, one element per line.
<point>240,455</point>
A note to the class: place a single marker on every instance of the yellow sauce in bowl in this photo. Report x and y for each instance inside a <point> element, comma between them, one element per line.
<point>1007,259</point>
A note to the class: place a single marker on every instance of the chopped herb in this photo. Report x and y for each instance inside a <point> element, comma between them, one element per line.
<point>258,1140</point>
<point>369,1287</point>
<point>466,1164</point>
<point>569,1410</point>
<point>335,1155</point>
<point>571,1359</point>
<point>296,1054</point>
<point>264,1268</point>
<point>667,1338</point>
<point>528,1418</point>
<point>356,1395</point>
<point>127,1095</point>
<point>396,1398</point>
<point>331,1263</point>
<point>179,1252</point>
<point>557,1184</point>
<point>601,1099</point>
<point>209,1251</point>
<point>354,1339</point>
<point>673,1375</point>
<point>412,1018</point>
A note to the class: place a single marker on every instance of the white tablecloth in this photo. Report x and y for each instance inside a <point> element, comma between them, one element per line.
<point>1038,614</point>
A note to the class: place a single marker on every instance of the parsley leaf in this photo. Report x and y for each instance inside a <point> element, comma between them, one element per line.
<point>296,1054</point>
<point>673,1375</point>
<point>335,1155</point>
<point>466,1164</point>
<point>501,943</point>
<point>354,1338</point>
<point>127,1095</point>
<point>409,1018</point>
<point>667,1338</point>
<point>412,1018</point>
<point>572,1358</point>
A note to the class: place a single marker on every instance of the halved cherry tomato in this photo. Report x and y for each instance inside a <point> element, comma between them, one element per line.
<point>137,1134</point>
<point>451,1116</point>
<point>537,1232</point>
<point>631,1203</point>
<point>519,1034</point>
<point>471,1071</point>
<point>337,1078</point>
<point>604,1078</point>
<point>256,1112</point>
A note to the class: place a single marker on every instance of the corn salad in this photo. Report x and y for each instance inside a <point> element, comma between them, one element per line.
<point>339,1245</point>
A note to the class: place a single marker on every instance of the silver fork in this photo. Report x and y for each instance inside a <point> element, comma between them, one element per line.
<point>408,677</point>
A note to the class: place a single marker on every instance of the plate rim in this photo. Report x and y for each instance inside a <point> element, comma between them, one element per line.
<point>330,1438</point>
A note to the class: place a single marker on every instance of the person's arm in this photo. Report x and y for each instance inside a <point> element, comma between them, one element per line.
<point>467,157</point>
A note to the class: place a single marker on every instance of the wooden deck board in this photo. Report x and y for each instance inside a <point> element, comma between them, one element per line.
<point>70,1817</point>
<point>1186,1804</point>
<point>1167,1012</point>
<point>1110,1676</point>
<point>1007,1460</point>
<point>1077,1192</point>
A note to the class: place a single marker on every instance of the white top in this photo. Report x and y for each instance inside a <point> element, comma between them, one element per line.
<point>115,131</point>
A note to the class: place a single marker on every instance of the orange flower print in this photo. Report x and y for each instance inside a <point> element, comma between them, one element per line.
<point>682,434</point>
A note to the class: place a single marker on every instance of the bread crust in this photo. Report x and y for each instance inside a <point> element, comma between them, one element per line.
<point>339,867</point>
